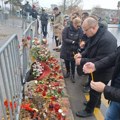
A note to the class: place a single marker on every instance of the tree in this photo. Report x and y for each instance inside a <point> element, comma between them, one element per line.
<point>71,5</point>
<point>118,5</point>
<point>14,2</point>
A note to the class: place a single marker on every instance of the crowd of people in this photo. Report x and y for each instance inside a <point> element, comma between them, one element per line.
<point>85,42</point>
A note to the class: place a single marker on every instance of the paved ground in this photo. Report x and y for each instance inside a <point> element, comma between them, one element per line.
<point>75,94</point>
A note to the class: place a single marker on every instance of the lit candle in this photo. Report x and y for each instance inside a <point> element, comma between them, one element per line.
<point>63,116</point>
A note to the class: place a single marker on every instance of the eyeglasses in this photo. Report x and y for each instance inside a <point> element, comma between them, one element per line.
<point>87,29</point>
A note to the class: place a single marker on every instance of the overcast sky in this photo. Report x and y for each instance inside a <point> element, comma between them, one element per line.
<point>87,4</point>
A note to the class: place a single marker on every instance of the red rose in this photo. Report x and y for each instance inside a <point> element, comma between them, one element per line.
<point>28,37</point>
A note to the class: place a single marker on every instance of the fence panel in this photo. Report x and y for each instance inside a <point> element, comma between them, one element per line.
<point>11,79</point>
<point>13,68</point>
<point>28,33</point>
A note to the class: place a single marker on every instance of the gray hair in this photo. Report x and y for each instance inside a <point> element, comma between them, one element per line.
<point>91,21</point>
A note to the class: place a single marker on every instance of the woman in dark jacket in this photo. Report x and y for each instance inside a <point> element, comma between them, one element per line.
<point>112,93</point>
<point>71,37</point>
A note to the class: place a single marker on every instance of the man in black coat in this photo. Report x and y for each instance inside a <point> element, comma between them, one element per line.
<point>34,13</point>
<point>112,93</point>
<point>101,43</point>
<point>44,22</point>
<point>26,10</point>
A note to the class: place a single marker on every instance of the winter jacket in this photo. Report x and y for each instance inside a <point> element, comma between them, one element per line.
<point>44,18</point>
<point>34,13</point>
<point>26,9</point>
<point>69,48</point>
<point>58,25</point>
<point>99,46</point>
<point>111,92</point>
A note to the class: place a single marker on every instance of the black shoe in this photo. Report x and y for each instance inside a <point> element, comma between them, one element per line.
<point>58,50</point>
<point>83,113</point>
<point>97,106</point>
<point>72,79</point>
<point>85,103</point>
<point>86,89</point>
<point>67,75</point>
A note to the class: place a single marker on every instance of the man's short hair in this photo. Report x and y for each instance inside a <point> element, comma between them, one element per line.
<point>85,13</point>
<point>55,8</point>
<point>43,9</point>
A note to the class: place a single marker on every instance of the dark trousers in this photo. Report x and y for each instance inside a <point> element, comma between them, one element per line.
<point>57,41</point>
<point>95,98</point>
<point>70,65</point>
<point>44,29</point>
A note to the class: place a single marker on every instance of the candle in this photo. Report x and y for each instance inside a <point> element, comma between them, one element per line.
<point>59,114</point>
<point>63,116</point>
<point>92,76</point>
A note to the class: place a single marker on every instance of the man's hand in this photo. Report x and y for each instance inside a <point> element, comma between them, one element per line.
<point>97,86</point>
<point>78,55</point>
<point>89,67</point>
<point>77,58</point>
<point>82,44</point>
<point>77,61</point>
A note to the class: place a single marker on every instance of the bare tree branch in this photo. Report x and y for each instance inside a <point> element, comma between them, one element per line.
<point>70,5</point>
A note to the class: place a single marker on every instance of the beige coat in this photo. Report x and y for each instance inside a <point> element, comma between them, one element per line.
<point>58,26</point>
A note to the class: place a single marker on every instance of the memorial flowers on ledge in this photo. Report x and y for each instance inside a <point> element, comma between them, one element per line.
<point>40,53</point>
<point>44,41</point>
<point>37,69</point>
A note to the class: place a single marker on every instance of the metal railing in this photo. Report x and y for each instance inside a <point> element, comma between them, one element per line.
<point>13,67</point>
<point>11,78</point>
<point>31,31</point>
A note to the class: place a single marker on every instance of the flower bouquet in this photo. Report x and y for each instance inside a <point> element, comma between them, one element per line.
<point>40,53</point>
<point>44,41</point>
<point>38,71</point>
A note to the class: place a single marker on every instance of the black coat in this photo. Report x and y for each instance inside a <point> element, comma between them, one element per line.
<point>99,46</point>
<point>69,35</point>
<point>34,13</point>
<point>26,9</point>
<point>44,18</point>
<point>113,92</point>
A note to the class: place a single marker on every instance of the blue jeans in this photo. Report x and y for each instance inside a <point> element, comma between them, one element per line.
<point>113,111</point>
